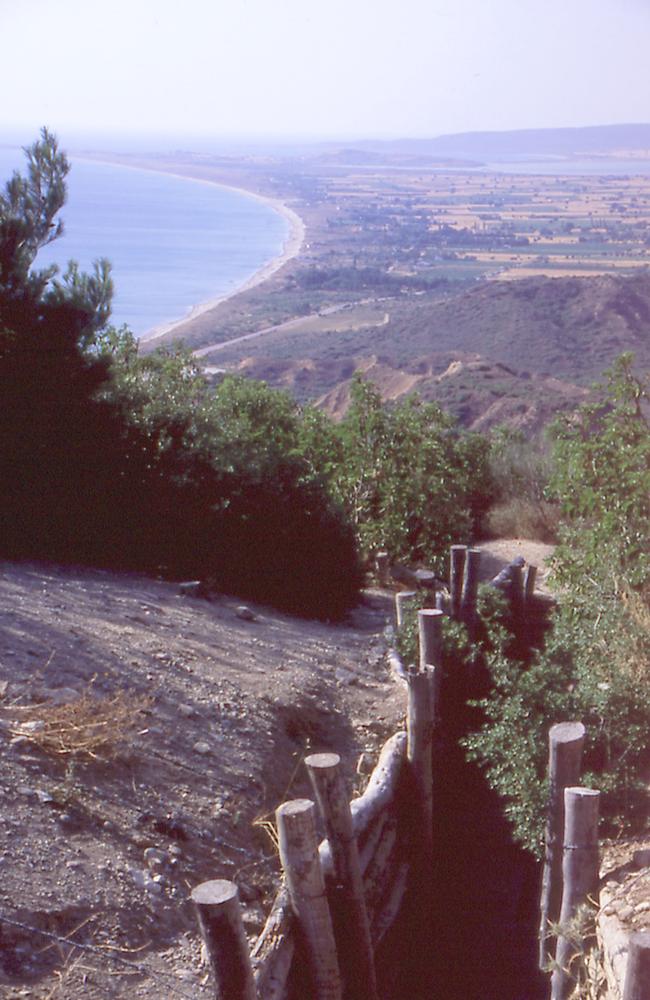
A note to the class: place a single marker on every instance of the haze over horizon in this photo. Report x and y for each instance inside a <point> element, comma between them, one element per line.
<point>304,71</point>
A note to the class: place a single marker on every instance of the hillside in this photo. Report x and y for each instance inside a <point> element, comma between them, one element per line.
<point>514,352</point>
<point>106,848</point>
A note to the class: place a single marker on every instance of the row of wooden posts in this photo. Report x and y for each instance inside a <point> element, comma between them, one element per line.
<point>571,872</point>
<point>341,896</point>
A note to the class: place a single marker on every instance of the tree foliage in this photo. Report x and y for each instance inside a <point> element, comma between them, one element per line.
<point>596,665</point>
<point>411,482</point>
<point>114,459</point>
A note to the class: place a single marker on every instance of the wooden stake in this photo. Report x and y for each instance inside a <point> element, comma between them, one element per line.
<point>565,741</point>
<point>403,601</point>
<point>530,576</point>
<point>456,570</point>
<point>580,877</point>
<point>419,748</point>
<point>430,636</point>
<point>516,589</point>
<point>358,970</point>
<point>299,856</point>
<point>470,584</point>
<point>637,977</point>
<point>381,564</point>
<point>219,916</point>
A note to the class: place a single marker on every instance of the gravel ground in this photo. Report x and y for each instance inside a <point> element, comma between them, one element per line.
<point>105,849</point>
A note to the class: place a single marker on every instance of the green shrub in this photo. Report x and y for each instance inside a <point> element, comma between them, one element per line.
<point>113,459</point>
<point>596,665</point>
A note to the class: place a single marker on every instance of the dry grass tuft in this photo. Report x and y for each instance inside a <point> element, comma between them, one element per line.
<point>536,520</point>
<point>90,726</point>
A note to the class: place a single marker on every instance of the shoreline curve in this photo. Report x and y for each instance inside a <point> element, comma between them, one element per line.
<point>291,247</point>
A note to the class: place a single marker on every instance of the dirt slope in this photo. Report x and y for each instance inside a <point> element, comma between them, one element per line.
<point>234,706</point>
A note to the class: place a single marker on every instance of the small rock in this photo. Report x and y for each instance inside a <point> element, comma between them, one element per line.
<point>201,747</point>
<point>642,907</point>
<point>59,696</point>
<point>626,913</point>
<point>186,711</point>
<point>175,851</point>
<point>154,858</point>
<point>154,888</point>
<point>245,613</point>
<point>142,879</point>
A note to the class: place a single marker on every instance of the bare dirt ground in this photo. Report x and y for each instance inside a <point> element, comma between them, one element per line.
<point>105,851</point>
<point>497,553</point>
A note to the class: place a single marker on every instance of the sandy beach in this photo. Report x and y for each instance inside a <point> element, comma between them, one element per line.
<point>290,249</point>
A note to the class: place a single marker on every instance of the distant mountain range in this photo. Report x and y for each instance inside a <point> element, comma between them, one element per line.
<point>590,141</point>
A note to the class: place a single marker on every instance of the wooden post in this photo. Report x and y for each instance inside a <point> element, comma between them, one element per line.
<point>565,742</point>
<point>358,970</point>
<point>516,589</point>
<point>402,601</point>
<point>300,861</point>
<point>530,576</point>
<point>637,977</point>
<point>430,636</point>
<point>580,877</point>
<point>419,748</point>
<point>381,563</point>
<point>470,584</point>
<point>456,570</point>
<point>219,916</point>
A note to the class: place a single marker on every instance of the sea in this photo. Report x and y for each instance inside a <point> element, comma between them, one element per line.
<point>173,243</point>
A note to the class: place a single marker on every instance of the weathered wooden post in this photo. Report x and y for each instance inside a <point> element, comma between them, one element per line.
<point>470,584</point>
<point>580,877</point>
<point>383,568</point>
<point>219,916</point>
<point>516,589</point>
<point>430,644</point>
<point>301,864</point>
<point>403,601</point>
<point>565,743</point>
<point>530,576</point>
<point>637,976</point>
<point>456,571</point>
<point>418,751</point>
<point>358,968</point>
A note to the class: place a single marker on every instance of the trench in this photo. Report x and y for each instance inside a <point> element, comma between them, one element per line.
<point>469,929</point>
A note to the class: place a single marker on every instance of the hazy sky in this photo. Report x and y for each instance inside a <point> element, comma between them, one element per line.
<point>328,68</point>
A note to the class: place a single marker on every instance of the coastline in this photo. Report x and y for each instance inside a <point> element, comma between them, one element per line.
<point>290,248</point>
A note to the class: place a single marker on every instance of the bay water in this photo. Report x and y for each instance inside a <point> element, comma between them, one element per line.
<point>173,242</point>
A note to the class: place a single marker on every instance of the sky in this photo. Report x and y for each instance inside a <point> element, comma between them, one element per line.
<point>301,69</point>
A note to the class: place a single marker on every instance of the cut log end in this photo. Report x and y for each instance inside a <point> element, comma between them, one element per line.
<point>323,760</point>
<point>567,732</point>
<point>214,893</point>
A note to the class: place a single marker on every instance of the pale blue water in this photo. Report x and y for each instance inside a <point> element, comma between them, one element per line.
<point>173,243</point>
